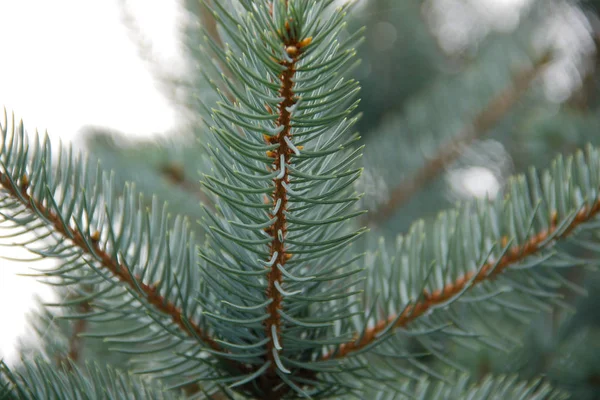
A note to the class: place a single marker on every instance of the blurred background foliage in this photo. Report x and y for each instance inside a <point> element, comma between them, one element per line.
<point>457,95</point>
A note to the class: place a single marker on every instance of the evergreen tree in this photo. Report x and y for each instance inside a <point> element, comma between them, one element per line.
<point>262,280</point>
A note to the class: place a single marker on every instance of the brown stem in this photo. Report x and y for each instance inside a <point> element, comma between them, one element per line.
<point>495,110</point>
<point>278,231</point>
<point>515,254</point>
<point>209,23</point>
<point>75,340</point>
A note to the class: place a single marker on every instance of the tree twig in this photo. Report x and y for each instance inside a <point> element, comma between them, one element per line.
<point>75,343</point>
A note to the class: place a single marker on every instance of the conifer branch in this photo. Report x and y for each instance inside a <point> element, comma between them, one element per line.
<point>284,165</point>
<point>118,270</point>
<point>517,253</point>
<point>42,380</point>
<point>491,115</point>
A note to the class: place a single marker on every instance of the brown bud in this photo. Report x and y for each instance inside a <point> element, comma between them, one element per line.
<point>174,172</point>
<point>292,51</point>
<point>553,218</point>
<point>95,237</point>
<point>25,182</point>
<point>305,42</point>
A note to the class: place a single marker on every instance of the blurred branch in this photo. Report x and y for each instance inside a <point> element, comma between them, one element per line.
<point>493,113</point>
<point>75,343</point>
<point>203,10</point>
<point>175,174</point>
<point>209,23</point>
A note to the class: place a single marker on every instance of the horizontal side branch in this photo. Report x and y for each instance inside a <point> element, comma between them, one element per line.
<point>488,271</point>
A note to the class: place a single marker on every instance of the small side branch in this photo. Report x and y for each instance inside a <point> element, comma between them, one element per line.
<point>496,109</point>
<point>75,343</point>
<point>175,174</point>
<point>491,268</point>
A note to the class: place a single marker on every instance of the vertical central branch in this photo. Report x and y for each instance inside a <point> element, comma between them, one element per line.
<point>279,200</point>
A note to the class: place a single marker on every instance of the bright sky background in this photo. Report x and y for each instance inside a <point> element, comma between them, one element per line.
<point>70,63</point>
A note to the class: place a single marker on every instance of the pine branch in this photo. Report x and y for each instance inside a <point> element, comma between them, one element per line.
<point>534,219</point>
<point>490,116</point>
<point>91,246</point>
<point>282,183</point>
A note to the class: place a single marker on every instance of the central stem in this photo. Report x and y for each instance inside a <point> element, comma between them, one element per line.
<point>279,199</point>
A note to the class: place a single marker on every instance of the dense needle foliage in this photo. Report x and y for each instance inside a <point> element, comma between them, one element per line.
<point>265,289</point>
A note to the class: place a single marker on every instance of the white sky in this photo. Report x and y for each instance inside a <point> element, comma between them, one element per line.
<point>69,63</point>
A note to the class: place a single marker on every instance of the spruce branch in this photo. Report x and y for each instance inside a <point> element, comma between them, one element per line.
<point>517,242</point>
<point>491,115</point>
<point>488,271</point>
<point>92,247</point>
<point>275,304</point>
<point>208,21</point>
<point>282,183</point>
<point>142,161</point>
<point>490,388</point>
